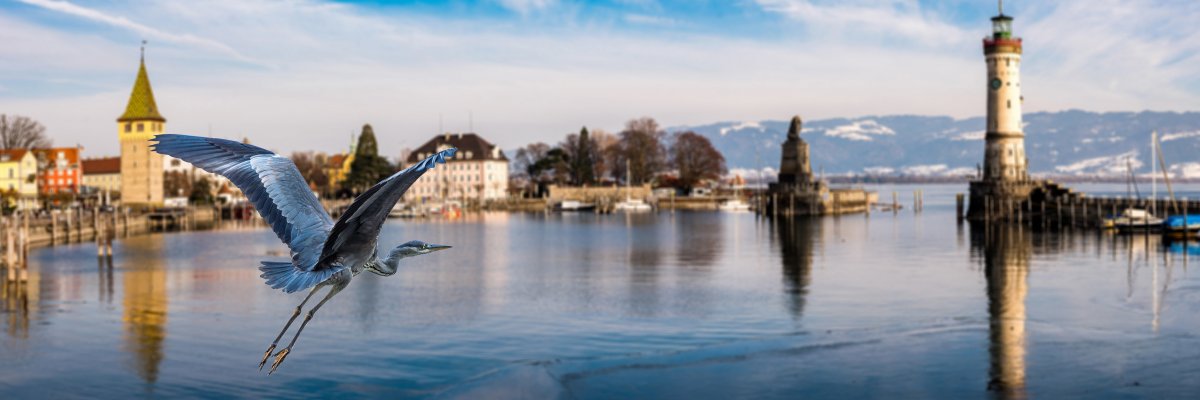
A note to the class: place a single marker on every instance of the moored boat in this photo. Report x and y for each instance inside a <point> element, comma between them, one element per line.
<point>632,205</point>
<point>574,205</point>
<point>735,205</point>
<point>1180,225</point>
<point>1135,220</point>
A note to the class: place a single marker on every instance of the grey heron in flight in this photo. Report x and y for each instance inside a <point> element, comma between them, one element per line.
<point>324,252</point>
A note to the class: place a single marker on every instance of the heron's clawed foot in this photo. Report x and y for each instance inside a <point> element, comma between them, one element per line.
<point>279,360</point>
<point>266,356</point>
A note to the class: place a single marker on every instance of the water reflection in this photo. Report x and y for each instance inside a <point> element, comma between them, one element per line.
<point>21,299</point>
<point>145,303</point>
<point>104,271</point>
<point>700,239</point>
<point>1007,250</point>
<point>795,238</point>
<point>645,258</point>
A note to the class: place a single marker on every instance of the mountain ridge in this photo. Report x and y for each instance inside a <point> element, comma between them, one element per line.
<point>1069,142</point>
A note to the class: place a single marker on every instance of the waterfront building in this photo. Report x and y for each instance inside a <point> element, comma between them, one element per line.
<point>18,179</point>
<point>337,166</point>
<point>478,172</point>
<point>102,174</point>
<point>141,168</point>
<point>180,176</point>
<point>58,170</point>
<point>798,192</point>
<point>1004,176</point>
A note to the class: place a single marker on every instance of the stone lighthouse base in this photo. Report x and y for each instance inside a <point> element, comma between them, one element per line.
<point>992,199</point>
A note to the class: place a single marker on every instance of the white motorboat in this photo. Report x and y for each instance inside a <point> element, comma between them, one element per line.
<point>574,205</point>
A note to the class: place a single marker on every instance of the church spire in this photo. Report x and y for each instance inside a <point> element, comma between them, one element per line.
<point>141,106</point>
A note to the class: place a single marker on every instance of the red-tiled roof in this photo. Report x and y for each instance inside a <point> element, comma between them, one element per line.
<point>336,161</point>
<point>12,154</point>
<point>70,153</point>
<point>96,166</point>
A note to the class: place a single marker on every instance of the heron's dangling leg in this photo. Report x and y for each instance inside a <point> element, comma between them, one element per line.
<point>307,317</point>
<point>288,325</point>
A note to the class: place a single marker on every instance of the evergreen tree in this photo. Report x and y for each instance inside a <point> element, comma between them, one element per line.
<point>585,162</point>
<point>368,167</point>
<point>202,192</point>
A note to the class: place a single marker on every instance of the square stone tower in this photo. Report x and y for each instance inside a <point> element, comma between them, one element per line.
<point>141,168</point>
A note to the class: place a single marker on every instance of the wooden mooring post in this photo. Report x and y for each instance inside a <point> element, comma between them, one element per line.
<point>958,206</point>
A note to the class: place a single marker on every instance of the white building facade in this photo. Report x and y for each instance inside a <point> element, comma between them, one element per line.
<point>479,172</point>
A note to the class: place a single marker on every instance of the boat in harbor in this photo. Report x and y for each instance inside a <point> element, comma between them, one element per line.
<point>400,211</point>
<point>735,205</point>
<point>632,205</point>
<point>1181,225</point>
<point>574,205</point>
<point>1135,220</point>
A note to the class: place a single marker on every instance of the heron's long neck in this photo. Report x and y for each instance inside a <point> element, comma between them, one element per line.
<point>387,266</point>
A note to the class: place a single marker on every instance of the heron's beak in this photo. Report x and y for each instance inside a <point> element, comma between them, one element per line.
<point>436,247</point>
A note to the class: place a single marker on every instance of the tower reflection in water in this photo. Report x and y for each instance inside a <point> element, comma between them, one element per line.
<point>794,238</point>
<point>1007,250</point>
<point>145,303</point>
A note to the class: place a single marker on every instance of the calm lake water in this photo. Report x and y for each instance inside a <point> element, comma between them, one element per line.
<point>683,305</point>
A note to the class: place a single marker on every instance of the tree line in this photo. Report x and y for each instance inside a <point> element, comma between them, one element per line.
<point>641,153</point>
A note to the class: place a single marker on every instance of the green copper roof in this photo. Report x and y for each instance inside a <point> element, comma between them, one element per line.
<point>141,102</point>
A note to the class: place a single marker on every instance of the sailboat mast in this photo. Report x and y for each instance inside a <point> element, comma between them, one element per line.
<point>1153,173</point>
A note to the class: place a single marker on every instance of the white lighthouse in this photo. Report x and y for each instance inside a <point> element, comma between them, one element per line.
<point>1004,157</point>
<point>1004,179</point>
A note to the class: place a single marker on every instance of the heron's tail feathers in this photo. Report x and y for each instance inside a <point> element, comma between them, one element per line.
<point>285,276</point>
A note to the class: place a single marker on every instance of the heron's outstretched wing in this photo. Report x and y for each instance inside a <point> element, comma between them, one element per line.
<point>365,216</point>
<point>270,181</point>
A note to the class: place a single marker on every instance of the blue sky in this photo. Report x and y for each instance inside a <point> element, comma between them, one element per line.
<point>305,74</point>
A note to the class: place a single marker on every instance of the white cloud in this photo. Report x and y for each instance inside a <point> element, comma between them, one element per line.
<point>642,19</point>
<point>125,23</point>
<point>330,67</point>
<point>1186,170</point>
<point>527,6</point>
<point>879,18</point>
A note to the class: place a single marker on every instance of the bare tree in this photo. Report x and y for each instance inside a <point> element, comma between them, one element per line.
<point>695,159</point>
<point>311,166</point>
<point>21,132</point>
<point>526,159</point>
<point>641,146</point>
<point>603,146</point>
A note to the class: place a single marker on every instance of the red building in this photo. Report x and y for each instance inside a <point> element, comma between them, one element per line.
<point>59,170</point>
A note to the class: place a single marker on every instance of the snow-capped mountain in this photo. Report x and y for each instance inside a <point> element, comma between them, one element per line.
<point>1058,143</point>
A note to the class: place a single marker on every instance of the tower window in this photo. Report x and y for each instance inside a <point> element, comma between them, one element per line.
<point>1007,62</point>
<point>128,127</point>
<point>1010,104</point>
<point>141,127</point>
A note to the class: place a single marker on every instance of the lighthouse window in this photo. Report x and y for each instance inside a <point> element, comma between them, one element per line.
<point>1010,104</point>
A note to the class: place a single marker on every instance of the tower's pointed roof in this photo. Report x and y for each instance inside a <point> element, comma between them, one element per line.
<point>141,102</point>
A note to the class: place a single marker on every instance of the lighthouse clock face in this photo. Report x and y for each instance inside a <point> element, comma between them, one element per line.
<point>995,83</point>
